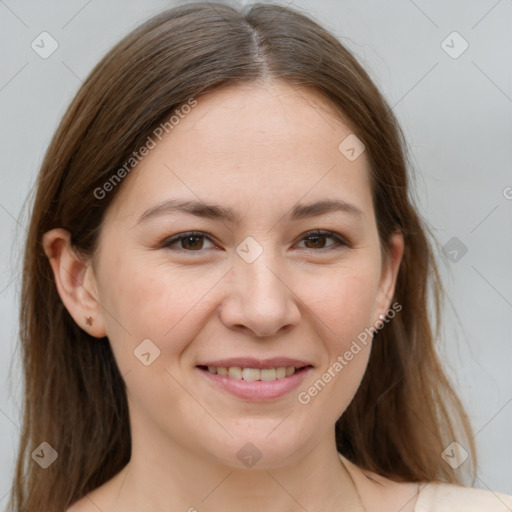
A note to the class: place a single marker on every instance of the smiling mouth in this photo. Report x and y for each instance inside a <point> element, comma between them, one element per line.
<point>254,374</point>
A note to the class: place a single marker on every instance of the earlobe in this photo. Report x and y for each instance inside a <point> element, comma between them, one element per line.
<point>75,282</point>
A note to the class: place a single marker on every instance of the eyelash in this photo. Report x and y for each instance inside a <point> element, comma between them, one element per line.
<point>340,241</point>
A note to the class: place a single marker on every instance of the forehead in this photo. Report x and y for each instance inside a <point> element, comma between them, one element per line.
<point>274,112</point>
<point>258,143</point>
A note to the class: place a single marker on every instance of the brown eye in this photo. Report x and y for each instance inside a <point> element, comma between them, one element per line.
<point>317,240</point>
<point>190,242</point>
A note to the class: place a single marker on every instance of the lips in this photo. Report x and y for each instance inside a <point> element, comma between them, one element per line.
<point>255,379</point>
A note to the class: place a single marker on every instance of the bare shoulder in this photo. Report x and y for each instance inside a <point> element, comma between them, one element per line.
<point>383,494</point>
<point>82,505</point>
<point>100,498</point>
<point>424,496</point>
<point>443,497</point>
<point>87,503</point>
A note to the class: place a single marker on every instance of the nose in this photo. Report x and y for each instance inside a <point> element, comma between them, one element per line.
<point>259,299</point>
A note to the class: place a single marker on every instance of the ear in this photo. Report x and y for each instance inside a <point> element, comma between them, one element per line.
<point>389,274</point>
<point>75,281</point>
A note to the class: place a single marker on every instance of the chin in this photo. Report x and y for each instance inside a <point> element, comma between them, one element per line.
<point>258,451</point>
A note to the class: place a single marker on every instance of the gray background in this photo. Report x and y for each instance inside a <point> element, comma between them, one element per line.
<point>455,113</point>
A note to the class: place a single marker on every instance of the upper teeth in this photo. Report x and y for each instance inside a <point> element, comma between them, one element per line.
<point>236,372</point>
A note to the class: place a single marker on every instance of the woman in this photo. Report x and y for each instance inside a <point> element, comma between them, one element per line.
<point>225,287</point>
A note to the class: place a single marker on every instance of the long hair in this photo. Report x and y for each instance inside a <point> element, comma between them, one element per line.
<point>405,412</point>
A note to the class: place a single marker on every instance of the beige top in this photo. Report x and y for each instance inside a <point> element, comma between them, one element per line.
<point>440,497</point>
<point>443,497</point>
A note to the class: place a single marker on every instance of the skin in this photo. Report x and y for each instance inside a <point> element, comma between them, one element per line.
<point>259,149</point>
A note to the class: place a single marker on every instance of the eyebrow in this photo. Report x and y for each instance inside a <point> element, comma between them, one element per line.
<point>223,213</point>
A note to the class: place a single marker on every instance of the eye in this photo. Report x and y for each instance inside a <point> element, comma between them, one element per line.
<point>318,237</point>
<point>192,241</point>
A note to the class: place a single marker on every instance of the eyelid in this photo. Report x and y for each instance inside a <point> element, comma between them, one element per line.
<point>175,239</point>
<point>342,241</point>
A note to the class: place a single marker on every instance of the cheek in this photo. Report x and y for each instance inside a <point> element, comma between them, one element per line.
<point>343,306</point>
<point>344,301</point>
<point>153,302</point>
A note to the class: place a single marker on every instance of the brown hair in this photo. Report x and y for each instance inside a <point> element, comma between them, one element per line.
<point>405,412</point>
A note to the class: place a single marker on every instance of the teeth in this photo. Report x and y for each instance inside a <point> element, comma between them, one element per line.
<point>251,374</point>
<point>281,372</point>
<point>235,372</point>
<point>267,374</point>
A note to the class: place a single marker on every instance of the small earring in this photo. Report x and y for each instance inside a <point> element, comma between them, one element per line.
<point>88,321</point>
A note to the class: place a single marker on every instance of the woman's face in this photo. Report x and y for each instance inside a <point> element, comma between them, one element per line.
<point>252,286</point>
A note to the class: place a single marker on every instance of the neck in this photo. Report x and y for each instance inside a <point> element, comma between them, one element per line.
<point>176,479</point>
